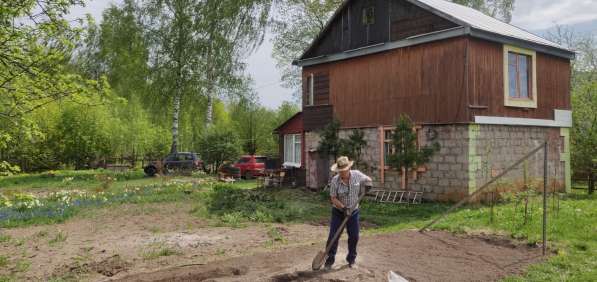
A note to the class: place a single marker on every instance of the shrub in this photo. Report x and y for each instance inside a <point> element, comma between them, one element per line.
<point>259,205</point>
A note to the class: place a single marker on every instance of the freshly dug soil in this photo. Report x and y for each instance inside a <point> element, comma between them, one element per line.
<point>431,256</point>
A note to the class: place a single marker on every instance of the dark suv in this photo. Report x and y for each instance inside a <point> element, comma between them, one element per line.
<point>182,161</point>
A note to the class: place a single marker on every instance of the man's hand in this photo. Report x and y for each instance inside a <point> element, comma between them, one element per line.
<point>347,211</point>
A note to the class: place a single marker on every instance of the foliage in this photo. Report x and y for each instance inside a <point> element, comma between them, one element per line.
<point>330,143</point>
<point>353,145</point>
<point>259,205</point>
<point>583,135</point>
<point>218,144</point>
<point>254,125</point>
<point>297,24</point>
<point>405,154</point>
<point>36,44</point>
<point>197,46</point>
<point>501,9</point>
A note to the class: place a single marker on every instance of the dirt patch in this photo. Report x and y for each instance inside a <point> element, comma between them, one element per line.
<point>111,242</point>
<point>431,256</point>
<point>108,267</point>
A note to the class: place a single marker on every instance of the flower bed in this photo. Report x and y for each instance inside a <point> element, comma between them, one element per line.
<point>19,208</point>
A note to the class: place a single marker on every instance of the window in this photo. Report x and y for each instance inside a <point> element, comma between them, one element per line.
<point>520,88</point>
<point>368,16</point>
<point>310,90</point>
<point>518,75</point>
<point>292,150</point>
<point>387,145</point>
<point>260,160</point>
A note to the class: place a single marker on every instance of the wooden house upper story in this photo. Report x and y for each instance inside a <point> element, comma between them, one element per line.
<point>436,61</point>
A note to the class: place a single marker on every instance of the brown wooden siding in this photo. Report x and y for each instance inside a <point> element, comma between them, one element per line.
<point>407,20</point>
<point>317,117</point>
<point>425,82</point>
<point>321,88</point>
<point>394,20</point>
<point>486,86</point>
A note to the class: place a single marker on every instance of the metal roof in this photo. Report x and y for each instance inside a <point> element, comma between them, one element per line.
<point>476,24</point>
<point>475,19</point>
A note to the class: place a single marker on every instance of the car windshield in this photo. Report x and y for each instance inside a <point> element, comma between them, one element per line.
<point>243,160</point>
<point>261,160</point>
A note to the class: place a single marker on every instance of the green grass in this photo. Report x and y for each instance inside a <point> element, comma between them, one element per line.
<point>159,250</point>
<point>571,231</point>
<point>65,179</point>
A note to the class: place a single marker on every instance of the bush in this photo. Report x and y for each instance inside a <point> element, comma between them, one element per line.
<point>259,205</point>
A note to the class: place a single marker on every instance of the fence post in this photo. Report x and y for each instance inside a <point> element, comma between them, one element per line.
<point>545,198</point>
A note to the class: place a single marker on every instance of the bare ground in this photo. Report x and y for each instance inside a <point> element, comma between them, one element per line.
<point>164,242</point>
<point>433,256</point>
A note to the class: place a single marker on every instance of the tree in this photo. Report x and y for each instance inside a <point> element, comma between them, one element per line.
<point>330,143</point>
<point>218,144</point>
<point>583,135</point>
<point>353,145</point>
<point>300,21</point>
<point>36,44</point>
<point>500,9</point>
<point>405,154</point>
<point>196,46</point>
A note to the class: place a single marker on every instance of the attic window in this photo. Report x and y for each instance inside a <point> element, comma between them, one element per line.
<point>520,77</point>
<point>368,15</point>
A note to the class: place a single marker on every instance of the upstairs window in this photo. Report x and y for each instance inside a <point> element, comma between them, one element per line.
<point>519,72</point>
<point>368,16</point>
<point>520,88</point>
<point>310,90</point>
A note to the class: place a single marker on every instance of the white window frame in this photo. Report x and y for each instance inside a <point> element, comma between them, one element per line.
<point>290,150</point>
<point>518,102</point>
<point>311,82</point>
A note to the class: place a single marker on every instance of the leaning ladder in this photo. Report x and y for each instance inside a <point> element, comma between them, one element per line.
<point>399,197</point>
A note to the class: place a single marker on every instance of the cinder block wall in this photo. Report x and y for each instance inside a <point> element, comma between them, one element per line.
<point>469,156</point>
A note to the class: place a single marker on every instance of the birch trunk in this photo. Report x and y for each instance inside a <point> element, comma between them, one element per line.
<point>209,118</point>
<point>175,115</point>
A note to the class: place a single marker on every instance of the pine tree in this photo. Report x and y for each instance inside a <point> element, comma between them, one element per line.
<point>406,155</point>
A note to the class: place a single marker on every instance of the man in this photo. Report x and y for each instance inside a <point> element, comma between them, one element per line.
<point>345,188</point>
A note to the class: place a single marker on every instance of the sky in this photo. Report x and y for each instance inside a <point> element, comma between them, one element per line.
<point>533,15</point>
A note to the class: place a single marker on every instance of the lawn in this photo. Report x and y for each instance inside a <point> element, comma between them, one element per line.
<point>56,197</point>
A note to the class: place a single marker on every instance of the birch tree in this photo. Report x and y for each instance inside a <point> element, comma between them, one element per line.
<point>196,47</point>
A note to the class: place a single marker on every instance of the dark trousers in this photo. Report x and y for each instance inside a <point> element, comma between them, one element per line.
<point>352,228</point>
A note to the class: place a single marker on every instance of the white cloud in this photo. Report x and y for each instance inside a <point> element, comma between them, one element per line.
<point>541,14</point>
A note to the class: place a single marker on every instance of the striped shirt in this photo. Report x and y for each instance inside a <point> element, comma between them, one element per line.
<point>348,194</point>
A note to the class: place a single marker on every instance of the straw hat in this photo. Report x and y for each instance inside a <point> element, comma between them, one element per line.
<point>342,164</point>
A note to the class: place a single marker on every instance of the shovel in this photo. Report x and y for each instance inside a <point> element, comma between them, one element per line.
<point>321,256</point>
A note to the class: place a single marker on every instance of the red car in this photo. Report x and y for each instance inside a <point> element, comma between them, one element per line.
<point>251,166</point>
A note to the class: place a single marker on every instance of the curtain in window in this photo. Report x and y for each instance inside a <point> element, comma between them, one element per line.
<point>297,149</point>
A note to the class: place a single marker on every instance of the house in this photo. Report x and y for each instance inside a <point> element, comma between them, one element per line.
<point>486,91</point>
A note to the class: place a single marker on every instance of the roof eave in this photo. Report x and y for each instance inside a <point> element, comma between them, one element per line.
<point>382,47</point>
<point>490,36</point>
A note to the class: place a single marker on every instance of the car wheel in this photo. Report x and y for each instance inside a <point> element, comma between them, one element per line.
<point>248,175</point>
<point>150,170</point>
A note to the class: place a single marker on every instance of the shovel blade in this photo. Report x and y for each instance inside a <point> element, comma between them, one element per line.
<point>319,260</point>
